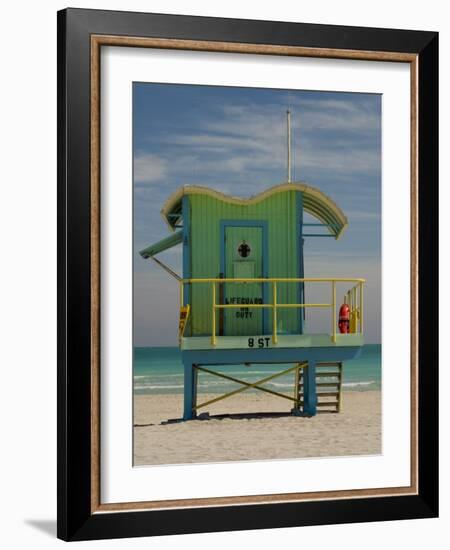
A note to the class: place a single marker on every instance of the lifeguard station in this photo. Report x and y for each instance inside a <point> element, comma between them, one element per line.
<point>242,291</point>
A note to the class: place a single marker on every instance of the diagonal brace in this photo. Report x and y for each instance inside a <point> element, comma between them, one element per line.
<point>248,385</point>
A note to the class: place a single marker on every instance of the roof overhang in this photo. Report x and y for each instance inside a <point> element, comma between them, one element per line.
<point>162,245</point>
<point>315,203</point>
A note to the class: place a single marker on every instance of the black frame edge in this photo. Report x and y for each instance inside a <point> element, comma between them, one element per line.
<point>73,378</point>
<point>428,197</point>
<point>194,27</point>
<point>251,517</point>
<point>61,280</point>
<point>75,521</point>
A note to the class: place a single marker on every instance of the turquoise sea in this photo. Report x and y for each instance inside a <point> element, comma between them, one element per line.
<point>160,371</point>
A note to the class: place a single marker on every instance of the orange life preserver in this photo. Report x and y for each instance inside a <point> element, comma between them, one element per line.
<point>344,319</point>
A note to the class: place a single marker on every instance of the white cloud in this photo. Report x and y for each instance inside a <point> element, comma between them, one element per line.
<point>252,138</point>
<point>307,114</point>
<point>149,168</point>
<point>342,115</point>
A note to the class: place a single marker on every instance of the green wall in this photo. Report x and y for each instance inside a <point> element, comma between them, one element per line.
<point>283,220</point>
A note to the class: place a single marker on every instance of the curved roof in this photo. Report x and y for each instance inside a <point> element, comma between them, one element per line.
<point>315,203</point>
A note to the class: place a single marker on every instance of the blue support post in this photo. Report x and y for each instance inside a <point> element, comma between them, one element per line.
<point>190,391</point>
<point>309,389</point>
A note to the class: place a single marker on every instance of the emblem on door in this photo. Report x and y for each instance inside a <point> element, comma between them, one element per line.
<point>244,250</point>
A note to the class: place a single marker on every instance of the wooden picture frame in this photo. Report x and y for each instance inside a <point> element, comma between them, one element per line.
<point>81,35</point>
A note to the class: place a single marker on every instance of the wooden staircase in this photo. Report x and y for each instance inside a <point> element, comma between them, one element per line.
<point>329,387</point>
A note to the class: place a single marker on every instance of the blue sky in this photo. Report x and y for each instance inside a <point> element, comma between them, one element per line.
<point>234,140</point>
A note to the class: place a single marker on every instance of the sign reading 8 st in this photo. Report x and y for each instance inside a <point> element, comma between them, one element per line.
<point>262,342</point>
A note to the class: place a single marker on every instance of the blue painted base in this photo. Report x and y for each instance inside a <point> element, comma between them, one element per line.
<point>271,355</point>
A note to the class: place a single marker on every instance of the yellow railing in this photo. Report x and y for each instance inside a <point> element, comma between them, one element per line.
<point>354,298</point>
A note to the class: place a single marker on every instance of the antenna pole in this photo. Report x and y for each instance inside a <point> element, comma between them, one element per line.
<point>288,113</point>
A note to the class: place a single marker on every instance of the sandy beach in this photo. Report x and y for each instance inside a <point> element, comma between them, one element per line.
<point>356,430</point>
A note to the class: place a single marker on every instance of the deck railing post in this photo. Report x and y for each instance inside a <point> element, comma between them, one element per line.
<point>333,311</point>
<point>274,313</point>
<point>213,312</point>
<point>361,307</point>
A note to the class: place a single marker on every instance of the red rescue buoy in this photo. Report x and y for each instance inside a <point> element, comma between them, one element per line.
<point>344,319</point>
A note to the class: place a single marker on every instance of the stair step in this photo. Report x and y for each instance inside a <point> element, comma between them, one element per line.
<point>325,394</point>
<point>332,389</point>
<point>337,371</point>
<point>325,403</point>
<point>326,374</point>
<point>324,384</point>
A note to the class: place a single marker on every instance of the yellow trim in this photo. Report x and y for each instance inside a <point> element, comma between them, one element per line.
<point>276,280</point>
<point>333,310</point>
<point>213,339</point>
<point>331,209</point>
<point>274,313</point>
<point>225,306</point>
<point>361,305</point>
<point>355,301</point>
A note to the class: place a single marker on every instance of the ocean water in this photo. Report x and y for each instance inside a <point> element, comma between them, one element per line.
<point>160,371</point>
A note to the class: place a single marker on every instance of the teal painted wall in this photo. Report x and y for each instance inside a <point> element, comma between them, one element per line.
<point>205,215</point>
